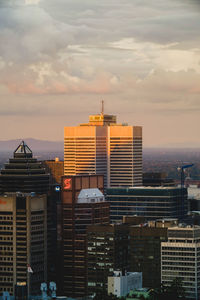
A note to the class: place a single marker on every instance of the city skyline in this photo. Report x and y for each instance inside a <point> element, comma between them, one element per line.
<point>58,59</point>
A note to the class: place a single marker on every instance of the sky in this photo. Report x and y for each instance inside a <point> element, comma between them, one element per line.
<point>60,58</point>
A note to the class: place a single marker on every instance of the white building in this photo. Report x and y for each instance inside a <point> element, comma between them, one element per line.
<point>90,196</point>
<point>193,192</point>
<point>120,285</point>
<point>180,258</point>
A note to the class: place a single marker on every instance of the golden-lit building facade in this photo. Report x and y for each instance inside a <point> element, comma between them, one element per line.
<point>104,147</point>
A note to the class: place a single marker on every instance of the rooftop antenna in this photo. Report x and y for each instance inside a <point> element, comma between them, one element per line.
<point>102,107</point>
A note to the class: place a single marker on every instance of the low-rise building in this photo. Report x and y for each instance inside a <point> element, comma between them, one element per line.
<point>121,284</point>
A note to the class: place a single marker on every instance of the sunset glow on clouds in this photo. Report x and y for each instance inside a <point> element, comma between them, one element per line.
<point>59,58</point>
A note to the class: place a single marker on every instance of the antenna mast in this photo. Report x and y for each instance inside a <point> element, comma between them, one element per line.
<point>102,107</point>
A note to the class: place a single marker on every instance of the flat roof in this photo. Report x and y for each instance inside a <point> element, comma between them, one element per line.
<point>153,187</point>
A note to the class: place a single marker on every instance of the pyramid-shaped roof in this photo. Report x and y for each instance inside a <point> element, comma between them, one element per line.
<point>23,150</point>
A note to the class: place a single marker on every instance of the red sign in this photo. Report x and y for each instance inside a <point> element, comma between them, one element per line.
<point>2,201</point>
<point>67,183</point>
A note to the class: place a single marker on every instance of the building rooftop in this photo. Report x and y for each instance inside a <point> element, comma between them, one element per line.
<point>183,226</point>
<point>154,187</point>
<point>145,190</point>
<point>23,151</point>
<point>90,195</point>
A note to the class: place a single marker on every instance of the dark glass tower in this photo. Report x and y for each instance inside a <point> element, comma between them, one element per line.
<point>23,173</point>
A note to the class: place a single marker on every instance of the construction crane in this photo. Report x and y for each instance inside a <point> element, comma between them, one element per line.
<point>182,170</point>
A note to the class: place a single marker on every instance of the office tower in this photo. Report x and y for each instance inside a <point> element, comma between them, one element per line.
<point>82,204</point>
<point>157,179</point>
<point>23,241</point>
<point>107,252</point>
<point>23,173</point>
<point>149,202</point>
<point>145,253</point>
<point>55,168</point>
<point>21,292</point>
<point>126,247</point>
<point>181,258</point>
<point>104,147</point>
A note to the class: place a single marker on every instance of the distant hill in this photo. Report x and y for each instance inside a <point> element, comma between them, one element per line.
<point>34,144</point>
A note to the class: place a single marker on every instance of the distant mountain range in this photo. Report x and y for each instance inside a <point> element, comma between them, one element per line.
<point>34,144</point>
<point>58,146</point>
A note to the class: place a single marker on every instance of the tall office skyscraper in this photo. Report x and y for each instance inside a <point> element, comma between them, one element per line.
<point>24,186</point>
<point>82,204</point>
<point>23,241</point>
<point>104,147</point>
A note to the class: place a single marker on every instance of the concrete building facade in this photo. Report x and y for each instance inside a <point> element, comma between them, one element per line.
<point>180,258</point>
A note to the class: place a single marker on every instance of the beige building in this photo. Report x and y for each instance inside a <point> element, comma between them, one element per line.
<point>23,241</point>
<point>104,147</point>
<point>180,258</point>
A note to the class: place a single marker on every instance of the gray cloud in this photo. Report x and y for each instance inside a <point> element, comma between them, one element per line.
<point>157,21</point>
<point>58,55</point>
<point>29,34</point>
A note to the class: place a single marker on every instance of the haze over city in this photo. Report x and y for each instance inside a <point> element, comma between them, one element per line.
<point>58,59</point>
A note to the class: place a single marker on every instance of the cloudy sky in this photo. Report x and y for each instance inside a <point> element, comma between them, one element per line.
<point>59,58</point>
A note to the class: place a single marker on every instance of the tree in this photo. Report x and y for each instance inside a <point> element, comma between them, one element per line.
<point>102,295</point>
<point>175,291</point>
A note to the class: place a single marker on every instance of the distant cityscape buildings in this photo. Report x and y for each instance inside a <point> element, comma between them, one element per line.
<point>95,224</point>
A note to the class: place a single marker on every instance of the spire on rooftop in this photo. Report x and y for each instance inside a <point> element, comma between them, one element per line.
<point>23,150</point>
<point>102,107</point>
